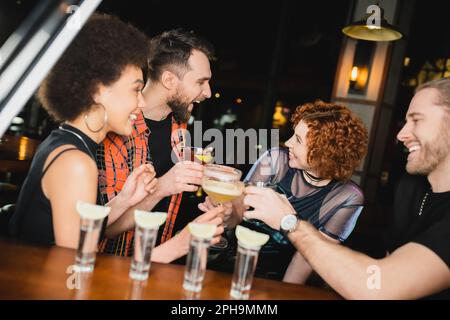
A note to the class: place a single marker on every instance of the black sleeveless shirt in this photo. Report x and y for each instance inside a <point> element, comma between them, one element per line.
<point>32,220</point>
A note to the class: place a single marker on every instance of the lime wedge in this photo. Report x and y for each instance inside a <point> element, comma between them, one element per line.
<point>249,238</point>
<point>149,220</point>
<point>91,211</point>
<point>204,158</point>
<point>202,230</point>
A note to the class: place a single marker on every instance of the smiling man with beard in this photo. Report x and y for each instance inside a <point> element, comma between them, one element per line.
<point>178,77</point>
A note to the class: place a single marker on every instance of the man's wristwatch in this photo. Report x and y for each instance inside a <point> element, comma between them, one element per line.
<point>288,223</point>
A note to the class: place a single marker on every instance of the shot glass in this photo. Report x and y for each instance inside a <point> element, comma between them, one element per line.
<point>146,232</point>
<point>244,269</point>
<point>144,241</point>
<point>92,217</point>
<point>196,264</point>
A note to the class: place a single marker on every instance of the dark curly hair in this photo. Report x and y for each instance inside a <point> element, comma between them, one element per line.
<point>336,139</point>
<point>104,47</point>
<point>171,51</point>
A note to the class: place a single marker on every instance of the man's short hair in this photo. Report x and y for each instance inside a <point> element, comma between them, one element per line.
<point>442,86</point>
<point>171,51</point>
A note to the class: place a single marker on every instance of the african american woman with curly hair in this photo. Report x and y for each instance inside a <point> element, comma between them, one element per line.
<point>94,88</point>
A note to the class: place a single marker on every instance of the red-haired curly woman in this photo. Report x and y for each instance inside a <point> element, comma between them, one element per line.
<point>310,180</point>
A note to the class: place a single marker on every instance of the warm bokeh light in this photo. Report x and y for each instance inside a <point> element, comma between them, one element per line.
<point>354,74</point>
<point>23,143</point>
<point>406,61</point>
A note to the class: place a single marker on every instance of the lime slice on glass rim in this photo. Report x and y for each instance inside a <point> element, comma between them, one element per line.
<point>249,238</point>
<point>91,211</point>
<point>202,230</point>
<point>149,220</point>
<point>204,158</point>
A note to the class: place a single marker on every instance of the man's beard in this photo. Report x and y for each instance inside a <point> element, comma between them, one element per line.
<point>431,154</point>
<point>179,108</point>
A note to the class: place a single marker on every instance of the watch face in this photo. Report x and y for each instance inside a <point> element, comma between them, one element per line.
<point>289,222</point>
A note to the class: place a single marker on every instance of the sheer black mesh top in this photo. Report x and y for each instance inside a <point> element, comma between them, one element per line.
<point>333,209</point>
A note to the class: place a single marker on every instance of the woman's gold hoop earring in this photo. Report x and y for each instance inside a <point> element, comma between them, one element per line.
<point>105,119</point>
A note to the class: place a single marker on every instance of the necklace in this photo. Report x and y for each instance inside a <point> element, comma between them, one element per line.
<point>311,177</point>
<point>80,138</point>
<point>423,202</point>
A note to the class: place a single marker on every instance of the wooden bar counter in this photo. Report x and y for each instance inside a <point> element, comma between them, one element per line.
<point>33,272</point>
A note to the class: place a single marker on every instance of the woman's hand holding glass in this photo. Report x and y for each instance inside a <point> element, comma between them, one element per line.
<point>268,206</point>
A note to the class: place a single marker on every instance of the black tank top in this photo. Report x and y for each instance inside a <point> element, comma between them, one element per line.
<point>32,220</point>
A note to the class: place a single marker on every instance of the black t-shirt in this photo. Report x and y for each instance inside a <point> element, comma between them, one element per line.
<point>431,228</point>
<point>160,146</point>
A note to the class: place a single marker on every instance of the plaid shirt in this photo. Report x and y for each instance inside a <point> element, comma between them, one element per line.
<point>117,157</point>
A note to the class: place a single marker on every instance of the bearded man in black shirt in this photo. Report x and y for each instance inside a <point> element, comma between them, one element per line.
<point>417,264</point>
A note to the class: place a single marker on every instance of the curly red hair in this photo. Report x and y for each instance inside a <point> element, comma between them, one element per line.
<point>336,139</point>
